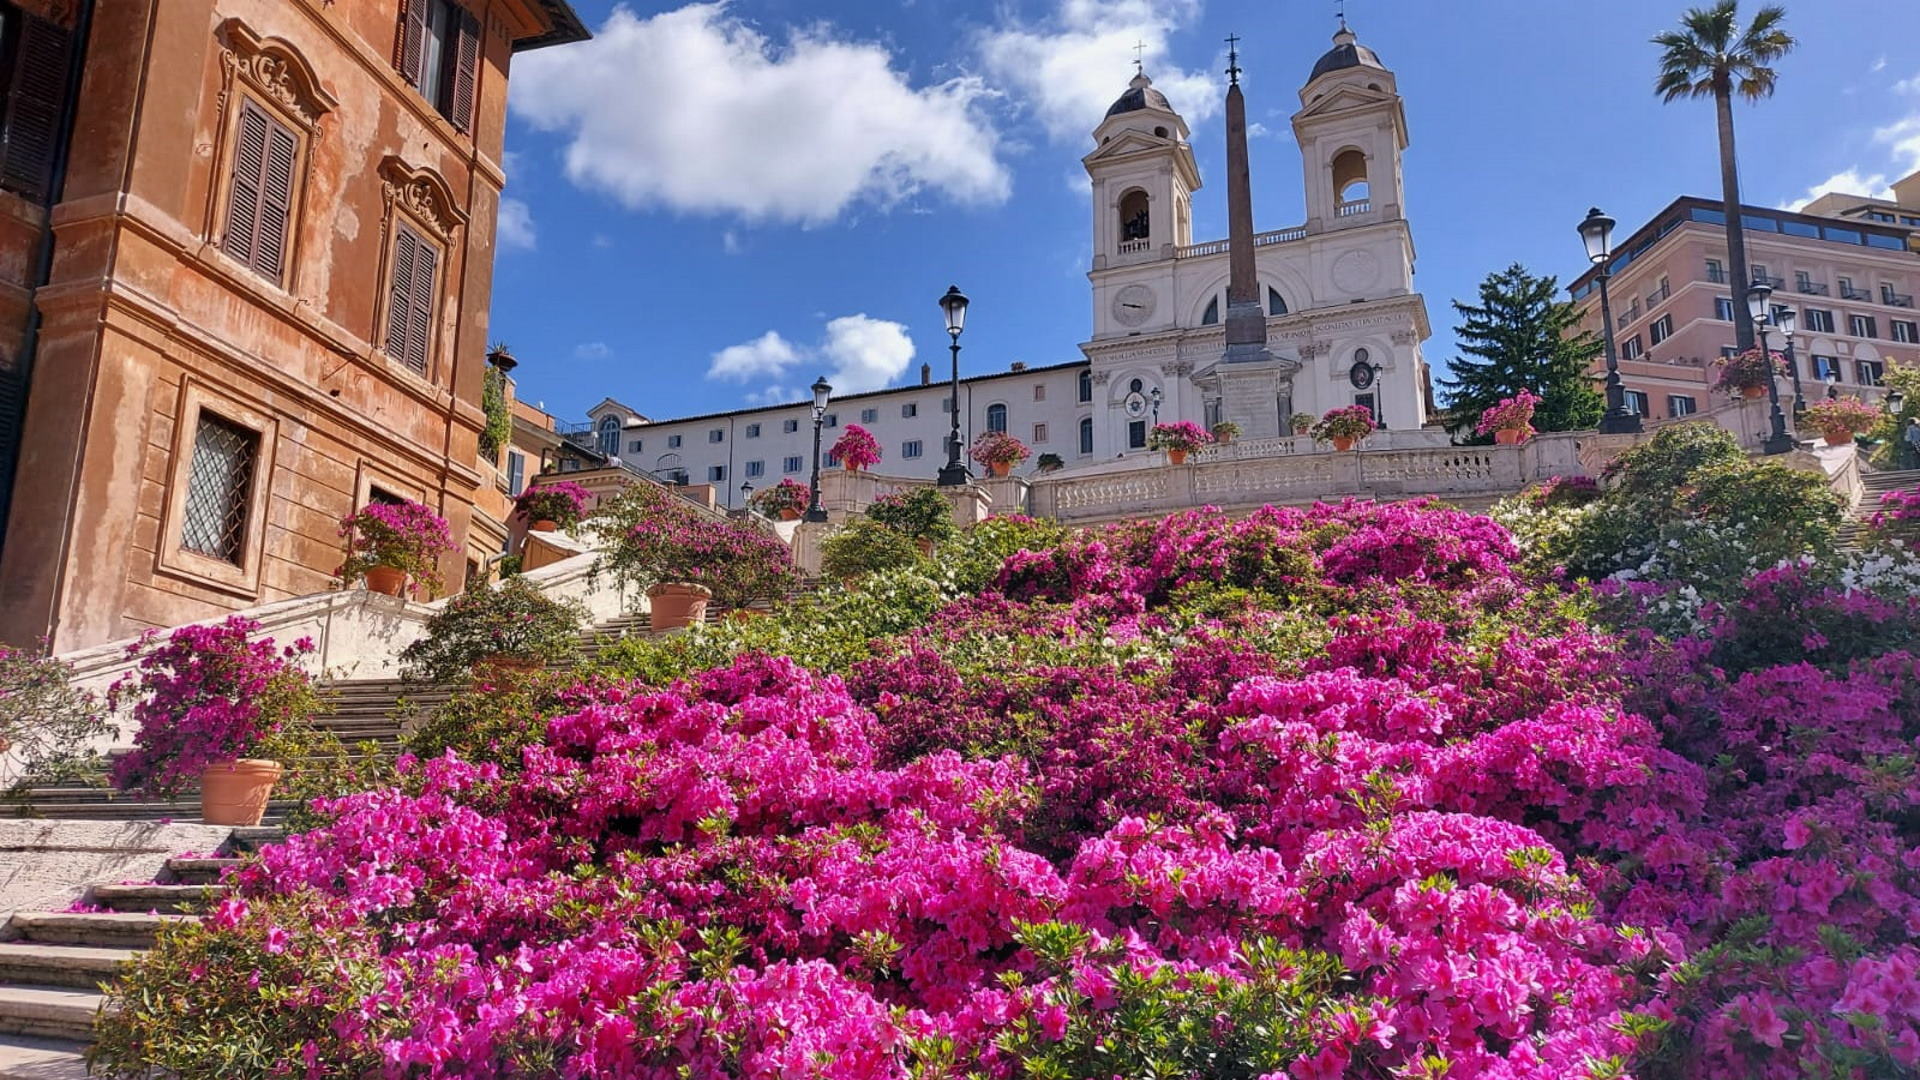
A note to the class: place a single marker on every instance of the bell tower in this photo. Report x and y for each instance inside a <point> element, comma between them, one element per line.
<point>1352,131</point>
<point>1143,176</point>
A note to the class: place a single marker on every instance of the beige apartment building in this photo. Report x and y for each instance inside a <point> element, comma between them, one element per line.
<point>1848,267</point>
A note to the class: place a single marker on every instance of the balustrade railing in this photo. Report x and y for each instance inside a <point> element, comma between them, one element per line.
<point>1353,209</point>
<point>1813,288</point>
<point>1216,247</point>
<point>1134,247</point>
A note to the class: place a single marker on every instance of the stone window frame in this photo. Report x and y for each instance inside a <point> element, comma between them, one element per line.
<point>174,559</point>
<point>422,200</point>
<point>276,78</point>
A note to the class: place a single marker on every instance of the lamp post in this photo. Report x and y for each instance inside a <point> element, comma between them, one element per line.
<point>1788,320</point>
<point>746,494</point>
<point>954,473</point>
<point>1156,397</point>
<point>821,392</point>
<point>1596,231</point>
<point>1760,308</point>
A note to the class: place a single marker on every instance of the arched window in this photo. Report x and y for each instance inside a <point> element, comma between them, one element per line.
<point>997,418</point>
<point>1086,435</point>
<point>609,435</point>
<point>1136,386</point>
<point>1350,189</point>
<point>1276,304</point>
<point>1212,315</point>
<point>1136,224</point>
<point>1086,386</point>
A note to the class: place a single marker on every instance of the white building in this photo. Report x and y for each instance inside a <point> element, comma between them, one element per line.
<point>1344,324</point>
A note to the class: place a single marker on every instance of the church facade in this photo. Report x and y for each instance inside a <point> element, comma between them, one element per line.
<point>1344,324</point>
<point>1334,295</point>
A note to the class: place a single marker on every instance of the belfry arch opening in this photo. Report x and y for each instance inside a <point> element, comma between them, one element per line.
<point>1136,222</point>
<point>1351,192</point>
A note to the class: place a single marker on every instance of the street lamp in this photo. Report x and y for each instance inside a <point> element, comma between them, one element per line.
<point>1596,231</point>
<point>821,392</point>
<point>954,473</point>
<point>1788,320</point>
<point>1157,397</point>
<point>746,494</point>
<point>1759,306</point>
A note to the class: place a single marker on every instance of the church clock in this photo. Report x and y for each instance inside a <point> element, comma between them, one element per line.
<point>1133,305</point>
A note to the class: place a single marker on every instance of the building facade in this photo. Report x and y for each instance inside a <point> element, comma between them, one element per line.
<point>1344,324</point>
<point>244,279</point>
<point>1849,269</point>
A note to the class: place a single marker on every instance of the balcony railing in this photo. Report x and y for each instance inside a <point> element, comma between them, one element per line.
<point>1353,209</point>
<point>1134,247</point>
<point>1658,295</point>
<point>1812,288</point>
<point>1716,275</point>
<point>1848,292</point>
<point>1894,299</point>
<point>1774,283</point>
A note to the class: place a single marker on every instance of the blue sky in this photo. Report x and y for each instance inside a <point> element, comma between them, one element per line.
<point>711,204</point>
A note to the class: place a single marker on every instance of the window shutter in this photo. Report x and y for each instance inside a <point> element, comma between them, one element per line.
<point>243,197</point>
<point>413,33</point>
<point>276,202</point>
<point>33,110</point>
<point>400,292</point>
<point>420,328</point>
<point>466,72</point>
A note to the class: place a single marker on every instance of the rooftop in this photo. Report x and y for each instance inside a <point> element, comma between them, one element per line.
<point>563,27</point>
<point>1347,52</point>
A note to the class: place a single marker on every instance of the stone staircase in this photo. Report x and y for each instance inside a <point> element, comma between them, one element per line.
<point>53,963</point>
<point>1875,484</point>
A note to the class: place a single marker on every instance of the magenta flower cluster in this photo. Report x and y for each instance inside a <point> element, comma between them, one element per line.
<point>857,448</point>
<point>1898,516</point>
<point>1179,435</point>
<point>1535,849</point>
<point>1511,414</point>
<point>203,695</point>
<point>562,502</point>
<point>998,448</point>
<point>404,536</point>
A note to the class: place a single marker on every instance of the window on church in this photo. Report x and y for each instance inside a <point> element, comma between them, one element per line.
<point>1086,387</point>
<point>1350,187</point>
<point>1276,304</point>
<point>1086,435</point>
<point>1211,316</point>
<point>1137,435</point>
<point>1136,226</point>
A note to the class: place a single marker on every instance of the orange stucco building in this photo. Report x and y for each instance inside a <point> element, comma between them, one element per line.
<point>246,255</point>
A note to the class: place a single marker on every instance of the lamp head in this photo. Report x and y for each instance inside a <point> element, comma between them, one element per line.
<point>821,392</point>
<point>1597,233</point>
<point>954,304</point>
<point>1787,319</point>
<point>1759,299</point>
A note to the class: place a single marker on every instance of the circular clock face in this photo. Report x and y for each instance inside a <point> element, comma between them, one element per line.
<point>1360,375</point>
<point>1136,405</point>
<point>1133,305</point>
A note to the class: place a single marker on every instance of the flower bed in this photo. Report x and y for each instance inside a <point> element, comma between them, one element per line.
<point>1343,791</point>
<point>1898,518</point>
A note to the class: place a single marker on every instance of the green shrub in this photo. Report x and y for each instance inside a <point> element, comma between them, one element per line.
<point>921,514</point>
<point>48,727</point>
<point>512,619</point>
<point>864,546</point>
<point>972,561</point>
<point>492,722</point>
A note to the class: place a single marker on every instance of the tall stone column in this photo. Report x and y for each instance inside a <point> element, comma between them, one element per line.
<point>1251,378</point>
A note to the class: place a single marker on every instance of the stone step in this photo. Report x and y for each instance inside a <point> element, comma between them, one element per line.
<point>26,1058</point>
<point>57,1012</point>
<point>112,930</point>
<point>172,899</point>
<point>81,966</point>
<point>201,870</point>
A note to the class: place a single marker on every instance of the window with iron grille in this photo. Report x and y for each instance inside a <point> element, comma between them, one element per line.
<point>219,489</point>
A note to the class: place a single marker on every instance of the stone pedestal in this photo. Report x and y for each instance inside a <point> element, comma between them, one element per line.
<point>971,503</point>
<point>1250,393</point>
<point>1006,494</point>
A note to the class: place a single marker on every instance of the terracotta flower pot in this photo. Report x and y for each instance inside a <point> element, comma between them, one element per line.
<point>1751,392</point>
<point>789,514</point>
<point>1343,442</point>
<point>236,792</point>
<point>1000,468</point>
<point>676,606</point>
<point>544,525</point>
<point>500,664</point>
<point>1223,439</point>
<point>1511,436</point>
<point>387,580</point>
<point>1177,457</point>
<point>852,468</point>
<point>1838,437</point>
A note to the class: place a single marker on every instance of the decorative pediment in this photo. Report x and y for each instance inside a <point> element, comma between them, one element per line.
<point>1129,142</point>
<point>274,69</point>
<point>423,195</point>
<point>1344,97</point>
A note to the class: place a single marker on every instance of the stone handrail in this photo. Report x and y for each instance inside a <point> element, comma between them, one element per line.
<point>1215,247</point>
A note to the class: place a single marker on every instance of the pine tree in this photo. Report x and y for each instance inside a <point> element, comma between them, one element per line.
<point>1522,337</point>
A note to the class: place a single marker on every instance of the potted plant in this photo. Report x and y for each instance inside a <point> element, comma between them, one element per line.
<point>1748,373</point>
<point>684,559</point>
<point>559,505</point>
<point>786,500</point>
<point>1178,439</point>
<point>488,629</point>
<point>1344,427</point>
<point>1225,432</point>
<point>1840,419</point>
<point>1511,421</point>
<point>857,448</point>
<point>1302,423</point>
<point>205,699</point>
<point>388,543</point>
<point>923,515</point>
<point>1048,462</point>
<point>998,451</point>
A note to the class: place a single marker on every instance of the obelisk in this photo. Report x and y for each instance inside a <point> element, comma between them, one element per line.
<point>1254,386</point>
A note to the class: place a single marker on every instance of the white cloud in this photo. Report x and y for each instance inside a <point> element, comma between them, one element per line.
<point>1849,182</point>
<point>516,231</point>
<point>768,354</point>
<point>1907,86</point>
<point>1903,138</point>
<point>592,350</point>
<point>730,242</point>
<point>695,110</point>
<point>1070,66</point>
<point>602,240</point>
<point>857,353</point>
<point>1879,65</point>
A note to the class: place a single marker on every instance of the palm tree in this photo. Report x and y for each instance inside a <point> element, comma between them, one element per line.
<point>1711,56</point>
